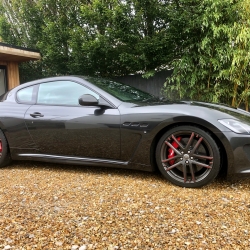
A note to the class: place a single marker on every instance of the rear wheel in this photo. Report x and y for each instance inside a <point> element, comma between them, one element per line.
<point>188,156</point>
<point>4,151</point>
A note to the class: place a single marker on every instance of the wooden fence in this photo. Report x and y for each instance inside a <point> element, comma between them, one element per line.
<point>153,85</point>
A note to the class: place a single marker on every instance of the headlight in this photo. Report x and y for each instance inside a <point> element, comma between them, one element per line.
<point>236,126</point>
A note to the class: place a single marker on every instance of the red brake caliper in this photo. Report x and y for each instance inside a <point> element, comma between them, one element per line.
<point>171,152</point>
<point>1,148</point>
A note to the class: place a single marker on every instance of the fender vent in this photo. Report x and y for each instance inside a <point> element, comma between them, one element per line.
<point>135,124</point>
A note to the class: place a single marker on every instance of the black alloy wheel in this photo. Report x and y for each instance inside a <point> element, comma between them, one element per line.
<point>4,151</point>
<point>188,156</point>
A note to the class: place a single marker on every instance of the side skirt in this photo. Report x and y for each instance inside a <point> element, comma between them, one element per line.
<point>82,161</point>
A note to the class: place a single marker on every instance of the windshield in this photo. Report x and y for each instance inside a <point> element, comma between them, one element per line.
<point>121,91</point>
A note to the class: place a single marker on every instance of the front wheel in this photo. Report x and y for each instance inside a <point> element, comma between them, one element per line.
<point>188,156</point>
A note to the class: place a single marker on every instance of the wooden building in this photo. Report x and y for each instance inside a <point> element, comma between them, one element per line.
<point>10,57</point>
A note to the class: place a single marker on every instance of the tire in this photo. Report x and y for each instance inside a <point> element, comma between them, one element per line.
<point>4,151</point>
<point>188,156</point>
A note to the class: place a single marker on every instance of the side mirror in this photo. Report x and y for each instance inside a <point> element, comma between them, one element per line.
<point>88,100</point>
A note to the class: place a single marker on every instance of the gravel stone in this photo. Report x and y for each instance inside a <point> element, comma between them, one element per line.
<point>83,247</point>
<point>7,247</point>
<point>52,206</point>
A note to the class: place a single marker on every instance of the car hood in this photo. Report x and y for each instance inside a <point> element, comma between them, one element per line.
<point>234,112</point>
<point>194,108</point>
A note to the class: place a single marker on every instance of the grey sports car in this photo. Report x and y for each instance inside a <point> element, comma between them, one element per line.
<point>95,121</point>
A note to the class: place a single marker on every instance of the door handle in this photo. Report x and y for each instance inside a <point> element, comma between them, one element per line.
<point>36,115</point>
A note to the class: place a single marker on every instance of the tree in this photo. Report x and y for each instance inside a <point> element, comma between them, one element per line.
<point>99,37</point>
<point>211,61</point>
<point>121,37</point>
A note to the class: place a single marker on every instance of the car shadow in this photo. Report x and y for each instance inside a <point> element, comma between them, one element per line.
<point>84,169</point>
<point>220,182</point>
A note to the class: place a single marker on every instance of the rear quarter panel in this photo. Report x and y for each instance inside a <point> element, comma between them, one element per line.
<point>13,126</point>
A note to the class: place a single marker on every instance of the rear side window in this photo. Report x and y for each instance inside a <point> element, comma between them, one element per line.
<point>26,95</point>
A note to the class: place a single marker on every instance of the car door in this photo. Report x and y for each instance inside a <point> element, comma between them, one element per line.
<point>60,126</point>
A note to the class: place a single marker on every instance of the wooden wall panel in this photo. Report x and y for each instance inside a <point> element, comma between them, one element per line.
<point>13,74</point>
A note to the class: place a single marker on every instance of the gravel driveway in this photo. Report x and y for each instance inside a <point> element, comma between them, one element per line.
<point>46,206</point>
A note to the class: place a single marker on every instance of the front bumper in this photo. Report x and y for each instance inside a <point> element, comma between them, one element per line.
<point>239,154</point>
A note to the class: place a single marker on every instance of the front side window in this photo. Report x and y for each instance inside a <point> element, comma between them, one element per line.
<point>62,93</point>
